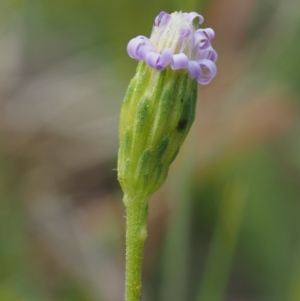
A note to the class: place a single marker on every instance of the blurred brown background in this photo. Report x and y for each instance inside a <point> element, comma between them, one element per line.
<point>225,225</point>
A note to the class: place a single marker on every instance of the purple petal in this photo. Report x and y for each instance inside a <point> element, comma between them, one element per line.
<point>162,18</point>
<point>191,16</point>
<point>210,33</point>
<point>204,44</point>
<point>210,71</point>
<point>208,53</point>
<point>152,59</point>
<point>134,45</point>
<point>143,50</point>
<point>194,69</point>
<point>185,32</point>
<point>165,59</point>
<point>213,56</point>
<point>201,37</point>
<point>203,81</point>
<point>180,61</point>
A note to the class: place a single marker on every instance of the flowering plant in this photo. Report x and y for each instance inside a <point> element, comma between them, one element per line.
<point>157,113</point>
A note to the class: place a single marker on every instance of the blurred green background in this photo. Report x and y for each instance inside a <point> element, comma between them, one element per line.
<point>224,226</point>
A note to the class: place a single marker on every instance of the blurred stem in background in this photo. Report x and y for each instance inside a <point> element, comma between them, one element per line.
<point>294,289</point>
<point>16,278</point>
<point>9,295</point>
<point>174,264</point>
<point>216,273</point>
<point>294,294</point>
<point>20,270</point>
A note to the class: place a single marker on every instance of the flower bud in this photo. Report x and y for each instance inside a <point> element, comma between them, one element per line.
<point>159,106</point>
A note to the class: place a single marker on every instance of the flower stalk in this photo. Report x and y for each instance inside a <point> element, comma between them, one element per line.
<point>136,233</point>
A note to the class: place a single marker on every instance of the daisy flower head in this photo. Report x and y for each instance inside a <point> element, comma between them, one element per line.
<point>177,42</point>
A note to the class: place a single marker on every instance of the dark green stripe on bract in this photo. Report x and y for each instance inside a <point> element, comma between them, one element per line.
<point>144,160</point>
<point>167,100</point>
<point>182,84</point>
<point>127,141</point>
<point>158,171</point>
<point>168,97</point>
<point>158,84</point>
<point>146,179</point>
<point>161,148</point>
<point>142,112</point>
<point>127,165</point>
<point>187,113</point>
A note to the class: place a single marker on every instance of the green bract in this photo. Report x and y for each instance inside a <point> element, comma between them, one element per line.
<point>157,114</point>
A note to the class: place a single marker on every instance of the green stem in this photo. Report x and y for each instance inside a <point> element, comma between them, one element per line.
<point>136,232</point>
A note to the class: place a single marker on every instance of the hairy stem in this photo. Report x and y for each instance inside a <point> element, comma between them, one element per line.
<point>136,232</point>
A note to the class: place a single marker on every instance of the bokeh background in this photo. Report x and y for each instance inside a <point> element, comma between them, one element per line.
<point>224,226</point>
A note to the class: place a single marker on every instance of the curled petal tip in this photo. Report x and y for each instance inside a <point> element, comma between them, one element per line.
<point>208,53</point>
<point>162,18</point>
<point>210,33</point>
<point>191,16</point>
<point>134,46</point>
<point>209,71</point>
<point>202,38</point>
